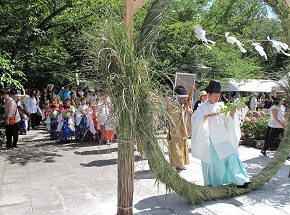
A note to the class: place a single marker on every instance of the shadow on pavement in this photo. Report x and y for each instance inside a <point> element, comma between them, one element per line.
<point>255,165</point>
<point>97,152</point>
<point>24,154</point>
<point>100,163</point>
<point>108,162</point>
<point>144,174</point>
<point>164,205</point>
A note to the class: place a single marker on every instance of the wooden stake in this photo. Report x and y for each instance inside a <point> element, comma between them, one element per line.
<point>126,144</point>
<point>130,8</point>
<point>288,2</point>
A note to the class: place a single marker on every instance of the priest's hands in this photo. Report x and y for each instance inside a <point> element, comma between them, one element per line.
<point>233,111</point>
<point>209,115</point>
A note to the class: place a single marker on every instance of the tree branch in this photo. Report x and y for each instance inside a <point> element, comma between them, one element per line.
<point>54,14</point>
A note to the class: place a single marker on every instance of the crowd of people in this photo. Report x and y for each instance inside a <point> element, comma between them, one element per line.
<point>215,134</point>
<point>75,114</point>
<point>67,114</point>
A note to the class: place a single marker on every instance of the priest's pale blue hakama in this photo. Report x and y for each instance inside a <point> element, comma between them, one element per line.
<point>229,170</point>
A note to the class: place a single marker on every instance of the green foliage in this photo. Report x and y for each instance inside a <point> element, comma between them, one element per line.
<point>8,73</point>
<point>179,48</point>
<point>238,104</point>
<point>255,124</point>
<point>41,36</point>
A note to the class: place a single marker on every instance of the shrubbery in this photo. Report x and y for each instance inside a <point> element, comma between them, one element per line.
<point>255,124</point>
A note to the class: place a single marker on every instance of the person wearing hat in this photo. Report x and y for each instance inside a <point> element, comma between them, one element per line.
<point>215,139</point>
<point>276,126</point>
<point>12,118</point>
<point>202,98</point>
<point>179,129</point>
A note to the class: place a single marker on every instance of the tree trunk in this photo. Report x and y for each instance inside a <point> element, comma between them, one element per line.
<point>125,176</point>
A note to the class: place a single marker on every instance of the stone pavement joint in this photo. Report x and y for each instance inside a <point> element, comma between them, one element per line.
<point>43,177</point>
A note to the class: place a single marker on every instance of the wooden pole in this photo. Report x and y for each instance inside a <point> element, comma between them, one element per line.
<point>125,146</point>
<point>130,8</point>
<point>129,17</point>
<point>288,2</point>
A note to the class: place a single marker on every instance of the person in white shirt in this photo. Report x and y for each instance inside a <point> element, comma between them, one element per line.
<point>276,126</point>
<point>80,92</point>
<point>18,96</point>
<point>254,102</point>
<point>24,101</point>
<point>31,109</point>
<point>82,121</point>
<point>202,99</point>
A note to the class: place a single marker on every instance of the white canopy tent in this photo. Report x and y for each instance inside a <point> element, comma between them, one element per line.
<point>251,85</point>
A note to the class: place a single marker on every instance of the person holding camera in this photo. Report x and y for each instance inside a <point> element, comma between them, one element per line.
<point>12,118</point>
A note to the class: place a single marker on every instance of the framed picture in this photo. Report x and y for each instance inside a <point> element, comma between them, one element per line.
<point>187,80</point>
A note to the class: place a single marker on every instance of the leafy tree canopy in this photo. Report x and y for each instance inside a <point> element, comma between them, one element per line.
<point>39,37</point>
<point>41,40</point>
<point>248,21</point>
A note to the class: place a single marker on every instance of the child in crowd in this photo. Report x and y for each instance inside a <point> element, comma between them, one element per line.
<point>96,136</point>
<point>46,110</point>
<point>23,124</point>
<point>65,126</point>
<point>52,122</point>
<point>82,121</point>
<point>105,119</point>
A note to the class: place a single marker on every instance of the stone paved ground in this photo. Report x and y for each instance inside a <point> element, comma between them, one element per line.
<point>42,177</point>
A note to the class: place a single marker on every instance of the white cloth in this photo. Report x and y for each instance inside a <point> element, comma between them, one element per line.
<point>81,93</point>
<point>253,103</point>
<point>90,122</point>
<point>104,113</point>
<point>281,115</point>
<point>224,132</point>
<point>43,114</point>
<point>31,105</point>
<point>24,101</point>
<point>52,95</point>
<point>242,114</point>
<point>60,123</point>
<point>82,109</point>
<point>48,120</point>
